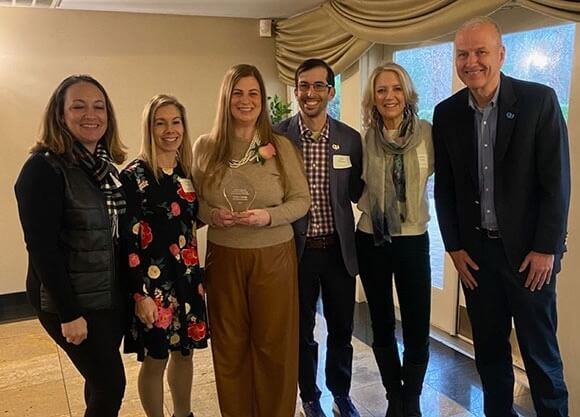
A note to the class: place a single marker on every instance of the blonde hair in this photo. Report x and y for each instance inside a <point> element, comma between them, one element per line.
<point>148,149</point>
<point>213,160</point>
<point>369,109</point>
<point>55,135</point>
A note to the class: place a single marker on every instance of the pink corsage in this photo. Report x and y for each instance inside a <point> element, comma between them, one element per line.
<point>265,152</point>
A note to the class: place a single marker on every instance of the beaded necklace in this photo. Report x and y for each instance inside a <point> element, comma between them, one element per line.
<point>251,154</point>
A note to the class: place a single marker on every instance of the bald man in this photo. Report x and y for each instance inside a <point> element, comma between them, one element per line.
<point>502,191</point>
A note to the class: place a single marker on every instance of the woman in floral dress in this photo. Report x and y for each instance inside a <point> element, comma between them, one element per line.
<point>170,318</point>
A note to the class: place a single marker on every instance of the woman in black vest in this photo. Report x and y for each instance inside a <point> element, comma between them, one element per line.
<point>69,199</point>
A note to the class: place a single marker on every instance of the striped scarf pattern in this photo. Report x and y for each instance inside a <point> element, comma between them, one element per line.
<point>100,167</point>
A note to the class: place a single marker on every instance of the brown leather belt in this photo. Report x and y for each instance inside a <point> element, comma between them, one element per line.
<point>321,242</point>
<point>491,234</point>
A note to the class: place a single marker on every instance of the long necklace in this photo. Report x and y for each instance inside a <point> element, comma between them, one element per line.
<point>250,154</point>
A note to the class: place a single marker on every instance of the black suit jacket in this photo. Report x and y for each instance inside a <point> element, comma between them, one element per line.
<point>346,185</point>
<point>531,172</point>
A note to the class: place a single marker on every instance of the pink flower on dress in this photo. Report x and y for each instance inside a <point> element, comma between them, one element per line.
<point>134,260</point>
<point>175,209</point>
<point>189,255</point>
<point>146,234</point>
<point>174,249</point>
<point>189,197</point>
<point>164,317</point>
<point>267,151</point>
<point>196,331</point>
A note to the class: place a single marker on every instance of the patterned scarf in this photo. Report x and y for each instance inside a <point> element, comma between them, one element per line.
<point>100,167</point>
<point>391,169</point>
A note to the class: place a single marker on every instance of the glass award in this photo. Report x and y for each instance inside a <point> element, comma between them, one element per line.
<point>239,193</point>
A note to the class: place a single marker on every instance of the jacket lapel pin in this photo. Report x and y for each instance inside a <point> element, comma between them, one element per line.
<point>335,146</point>
<point>510,115</point>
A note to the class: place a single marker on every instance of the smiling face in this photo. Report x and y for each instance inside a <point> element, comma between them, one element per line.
<point>313,103</point>
<point>246,101</point>
<point>168,129</point>
<point>389,98</point>
<point>479,56</point>
<point>85,113</point>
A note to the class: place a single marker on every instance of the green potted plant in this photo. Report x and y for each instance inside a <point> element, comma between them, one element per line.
<point>278,109</point>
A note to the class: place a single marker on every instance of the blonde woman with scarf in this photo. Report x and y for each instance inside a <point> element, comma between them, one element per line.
<point>392,240</point>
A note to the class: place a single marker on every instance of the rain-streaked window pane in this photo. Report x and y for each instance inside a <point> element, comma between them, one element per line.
<point>543,56</point>
<point>334,104</point>
<point>430,68</point>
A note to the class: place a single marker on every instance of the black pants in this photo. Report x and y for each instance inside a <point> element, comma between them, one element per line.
<point>323,269</point>
<point>97,359</point>
<point>499,296</point>
<point>406,259</point>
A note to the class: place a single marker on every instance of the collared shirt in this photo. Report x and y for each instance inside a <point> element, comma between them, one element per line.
<point>486,126</point>
<point>315,153</point>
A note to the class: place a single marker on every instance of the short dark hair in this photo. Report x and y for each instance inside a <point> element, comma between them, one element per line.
<point>314,63</point>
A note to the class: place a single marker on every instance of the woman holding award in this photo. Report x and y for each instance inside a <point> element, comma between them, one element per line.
<point>251,185</point>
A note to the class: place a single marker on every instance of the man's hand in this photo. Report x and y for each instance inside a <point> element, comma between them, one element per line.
<point>256,218</point>
<point>540,273</point>
<point>223,218</point>
<point>463,263</point>
<point>75,331</point>
<point>146,311</point>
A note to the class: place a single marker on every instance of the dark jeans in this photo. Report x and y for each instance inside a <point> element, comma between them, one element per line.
<point>323,269</point>
<point>406,259</point>
<point>97,359</point>
<point>499,296</point>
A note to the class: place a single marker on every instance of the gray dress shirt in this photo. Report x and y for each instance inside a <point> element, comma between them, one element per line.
<point>485,120</point>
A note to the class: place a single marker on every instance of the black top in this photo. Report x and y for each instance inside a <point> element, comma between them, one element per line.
<point>67,229</point>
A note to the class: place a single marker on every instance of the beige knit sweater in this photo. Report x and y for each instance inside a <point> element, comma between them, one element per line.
<point>285,205</point>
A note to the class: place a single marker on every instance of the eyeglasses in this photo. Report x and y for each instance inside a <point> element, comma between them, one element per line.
<point>318,86</point>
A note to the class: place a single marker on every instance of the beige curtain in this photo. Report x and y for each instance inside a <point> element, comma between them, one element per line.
<point>340,31</point>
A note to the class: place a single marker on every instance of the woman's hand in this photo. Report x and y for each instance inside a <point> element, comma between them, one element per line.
<point>222,218</point>
<point>75,331</point>
<point>256,218</point>
<point>146,311</point>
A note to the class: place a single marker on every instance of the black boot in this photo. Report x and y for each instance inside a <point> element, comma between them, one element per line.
<point>413,375</point>
<point>390,369</point>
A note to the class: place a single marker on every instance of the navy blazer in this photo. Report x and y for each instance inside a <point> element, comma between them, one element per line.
<point>346,185</point>
<point>531,172</point>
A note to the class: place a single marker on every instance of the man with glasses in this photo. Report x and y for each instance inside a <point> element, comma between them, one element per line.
<point>325,236</point>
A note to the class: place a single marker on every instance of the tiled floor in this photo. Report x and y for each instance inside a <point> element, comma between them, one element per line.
<point>38,380</point>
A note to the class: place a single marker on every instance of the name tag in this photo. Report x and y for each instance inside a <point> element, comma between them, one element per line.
<point>186,184</point>
<point>341,161</point>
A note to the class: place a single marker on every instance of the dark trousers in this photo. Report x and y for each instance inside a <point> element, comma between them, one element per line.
<point>324,270</point>
<point>406,260</point>
<point>499,296</point>
<point>97,359</point>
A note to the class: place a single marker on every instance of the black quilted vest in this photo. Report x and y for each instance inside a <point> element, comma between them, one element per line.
<point>86,240</point>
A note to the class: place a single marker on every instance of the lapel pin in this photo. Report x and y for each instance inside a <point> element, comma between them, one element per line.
<point>510,115</point>
<point>335,146</point>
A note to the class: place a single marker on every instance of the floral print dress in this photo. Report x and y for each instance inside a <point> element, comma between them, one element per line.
<point>162,261</point>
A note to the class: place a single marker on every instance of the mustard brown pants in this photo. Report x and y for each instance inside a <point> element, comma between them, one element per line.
<point>253,313</point>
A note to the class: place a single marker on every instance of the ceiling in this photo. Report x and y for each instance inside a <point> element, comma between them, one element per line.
<point>224,8</point>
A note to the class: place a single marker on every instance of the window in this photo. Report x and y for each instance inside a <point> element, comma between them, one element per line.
<point>334,104</point>
<point>431,71</point>
<point>544,56</point>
